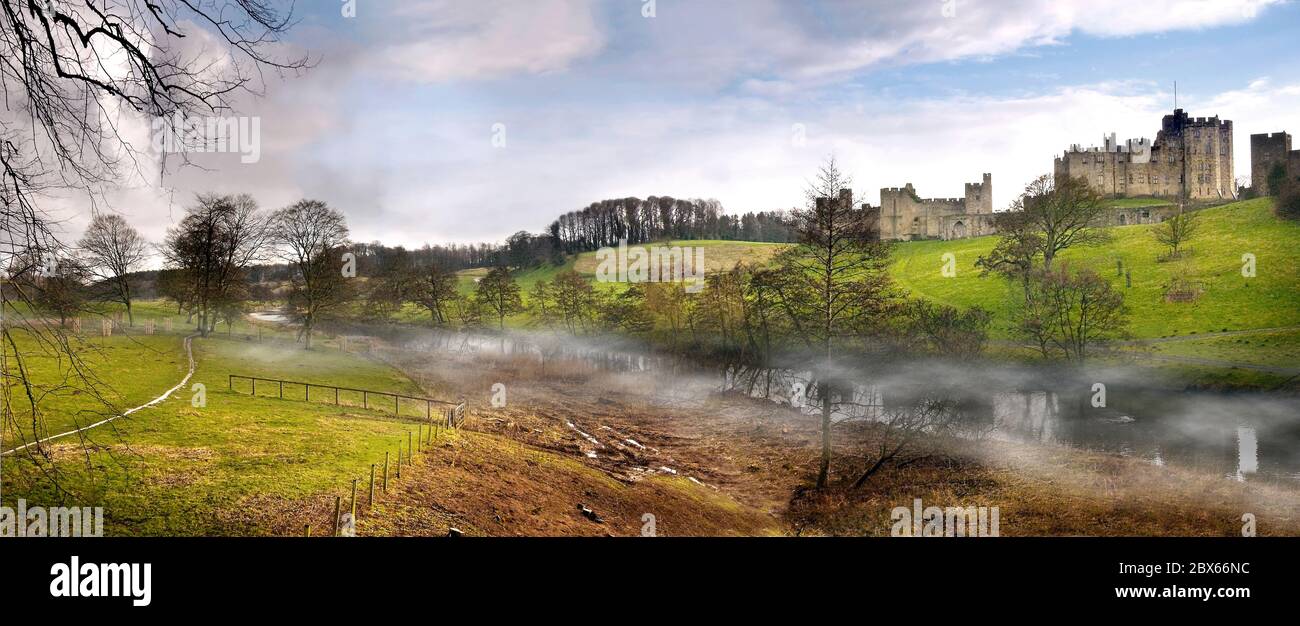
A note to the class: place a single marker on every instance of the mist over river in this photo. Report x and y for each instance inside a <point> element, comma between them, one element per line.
<point>1248,436</point>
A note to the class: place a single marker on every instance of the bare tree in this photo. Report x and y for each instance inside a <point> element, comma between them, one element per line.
<point>834,284</point>
<point>947,331</point>
<point>1174,232</point>
<point>395,282</point>
<point>541,303</point>
<point>1053,214</point>
<point>113,250</point>
<point>574,299</point>
<point>1066,312</point>
<point>310,237</point>
<point>499,293</point>
<point>216,241</point>
<point>72,73</point>
<point>901,428</point>
<point>436,291</point>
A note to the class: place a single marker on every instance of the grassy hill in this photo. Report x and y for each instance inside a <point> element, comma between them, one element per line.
<point>259,465</point>
<point>719,256</point>
<point>1230,301</point>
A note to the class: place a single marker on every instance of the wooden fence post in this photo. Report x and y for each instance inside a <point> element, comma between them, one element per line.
<point>338,501</point>
<point>385,472</point>
<point>409,458</point>
<point>354,499</point>
<point>372,485</point>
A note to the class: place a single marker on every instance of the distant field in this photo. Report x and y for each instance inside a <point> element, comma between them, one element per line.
<point>719,256</point>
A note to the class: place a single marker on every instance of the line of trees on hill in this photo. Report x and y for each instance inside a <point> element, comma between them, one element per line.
<point>607,222</point>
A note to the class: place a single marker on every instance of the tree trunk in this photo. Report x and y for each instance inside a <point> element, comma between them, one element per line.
<point>130,319</point>
<point>824,472</point>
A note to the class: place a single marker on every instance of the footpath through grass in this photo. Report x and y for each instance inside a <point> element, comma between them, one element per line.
<point>231,466</point>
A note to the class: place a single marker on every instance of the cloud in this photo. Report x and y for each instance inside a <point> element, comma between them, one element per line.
<point>448,40</point>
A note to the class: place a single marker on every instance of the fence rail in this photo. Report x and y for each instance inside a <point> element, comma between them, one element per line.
<point>453,413</point>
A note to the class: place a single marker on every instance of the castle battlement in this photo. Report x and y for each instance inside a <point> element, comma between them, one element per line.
<point>1190,157</point>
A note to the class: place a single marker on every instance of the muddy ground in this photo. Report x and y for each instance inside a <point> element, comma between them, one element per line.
<point>632,444</point>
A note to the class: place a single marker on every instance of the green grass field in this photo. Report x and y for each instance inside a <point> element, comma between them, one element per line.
<point>179,469</point>
<point>1229,302</point>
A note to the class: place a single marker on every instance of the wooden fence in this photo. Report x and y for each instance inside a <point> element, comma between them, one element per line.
<point>453,412</point>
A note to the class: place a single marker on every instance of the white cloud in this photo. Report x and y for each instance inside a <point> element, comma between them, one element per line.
<point>448,40</point>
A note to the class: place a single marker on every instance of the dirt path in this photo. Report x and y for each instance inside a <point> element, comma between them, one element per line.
<point>189,353</point>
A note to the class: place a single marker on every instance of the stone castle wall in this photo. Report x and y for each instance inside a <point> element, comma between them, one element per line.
<point>903,215</point>
<point>1191,156</point>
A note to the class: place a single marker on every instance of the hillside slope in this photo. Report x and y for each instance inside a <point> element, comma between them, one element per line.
<point>1229,302</point>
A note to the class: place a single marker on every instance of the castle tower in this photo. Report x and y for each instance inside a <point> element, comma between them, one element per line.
<point>1267,150</point>
<point>979,196</point>
<point>1190,158</point>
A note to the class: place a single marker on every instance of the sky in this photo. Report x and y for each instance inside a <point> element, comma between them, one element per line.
<point>467,120</point>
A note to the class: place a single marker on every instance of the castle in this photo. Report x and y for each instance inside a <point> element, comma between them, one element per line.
<point>1266,151</point>
<point>903,215</point>
<point>1190,159</point>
